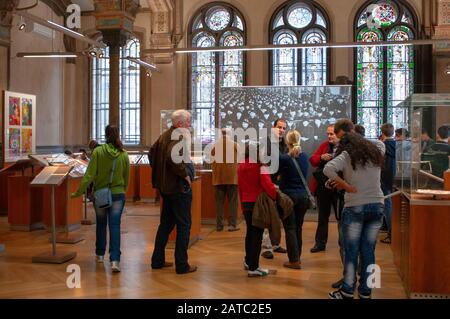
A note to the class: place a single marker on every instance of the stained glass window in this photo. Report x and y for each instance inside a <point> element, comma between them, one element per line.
<point>385,75</point>
<point>285,60</point>
<point>300,16</point>
<point>369,70</point>
<point>210,70</point>
<point>130,107</point>
<point>400,75</point>
<point>306,23</point>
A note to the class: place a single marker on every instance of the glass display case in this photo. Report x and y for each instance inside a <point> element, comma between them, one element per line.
<point>134,157</point>
<point>423,150</point>
<point>77,161</point>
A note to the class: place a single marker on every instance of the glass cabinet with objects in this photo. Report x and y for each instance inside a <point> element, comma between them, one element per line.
<point>423,155</point>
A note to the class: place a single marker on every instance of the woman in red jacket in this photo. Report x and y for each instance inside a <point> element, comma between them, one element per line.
<point>253,179</point>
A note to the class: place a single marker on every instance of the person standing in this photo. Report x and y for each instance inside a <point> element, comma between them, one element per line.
<point>293,171</point>
<point>109,167</point>
<point>361,161</point>
<point>271,242</point>
<point>439,152</point>
<point>173,178</point>
<point>387,175</point>
<point>253,179</point>
<point>326,198</point>
<point>224,179</point>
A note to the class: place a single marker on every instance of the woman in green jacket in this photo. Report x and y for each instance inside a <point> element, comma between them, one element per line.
<point>99,172</point>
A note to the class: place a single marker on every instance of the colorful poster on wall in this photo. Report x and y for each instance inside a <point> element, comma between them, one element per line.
<point>19,138</point>
<point>14,110</point>
<point>27,112</point>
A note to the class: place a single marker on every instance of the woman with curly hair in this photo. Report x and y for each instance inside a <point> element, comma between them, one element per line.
<point>361,161</point>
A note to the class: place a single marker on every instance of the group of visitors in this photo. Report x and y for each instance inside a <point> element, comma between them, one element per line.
<point>352,175</point>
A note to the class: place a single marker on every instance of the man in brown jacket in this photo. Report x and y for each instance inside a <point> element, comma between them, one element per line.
<point>224,179</point>
<point>172,175</point>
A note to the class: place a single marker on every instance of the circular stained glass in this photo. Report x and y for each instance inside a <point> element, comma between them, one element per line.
<point>299,16</point>
<point>385,14</point>
<point>370,36</point>
<point>218,18</point>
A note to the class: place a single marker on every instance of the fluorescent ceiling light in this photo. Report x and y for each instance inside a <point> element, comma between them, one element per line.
<point>46,55</point>
<point>143,63</point>
<point>59,28</point>
<point>327,45</point>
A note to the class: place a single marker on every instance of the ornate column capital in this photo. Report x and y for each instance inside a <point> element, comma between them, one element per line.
<point>166,23</point>
<point>6,17</point>
<point>442,29</point>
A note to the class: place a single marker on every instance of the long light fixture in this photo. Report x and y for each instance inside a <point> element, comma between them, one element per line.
<point>47,55</point>
<point>327,45</point>
<point>143,63</point>
<point>60,28</point>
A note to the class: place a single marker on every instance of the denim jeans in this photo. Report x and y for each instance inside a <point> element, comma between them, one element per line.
<point>110,216</point>
<point>387,209</point>
<point>253,240</point>
<point>360,227</point>
<point>176,211</point>
<point>293,226</point>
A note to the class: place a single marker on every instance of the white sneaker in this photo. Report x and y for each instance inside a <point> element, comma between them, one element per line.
<point>245,266</point>
<point>260,272</point>
<point>115,266</point>
<point>100,259</point>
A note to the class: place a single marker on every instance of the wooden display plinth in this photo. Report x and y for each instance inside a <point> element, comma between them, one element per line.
<point>69,211</point>
<point>25,208</point>
<point>19,168</point>
<point>4,175</point>
<point>209,202</point>
<point>420,245</point>
<point>146,191</point>
<point>57,258</point>
<point>195,216</point>
<point>133,184</point>
<point>447,180</point>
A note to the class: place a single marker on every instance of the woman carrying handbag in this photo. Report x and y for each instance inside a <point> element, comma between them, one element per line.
<point>293,169</point>
<point>109,169</point>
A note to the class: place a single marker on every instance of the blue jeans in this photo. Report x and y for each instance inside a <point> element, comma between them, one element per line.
<point>387,209</point>
<point>176,210</point>
<point>112,217</point>
<point>360,227</point>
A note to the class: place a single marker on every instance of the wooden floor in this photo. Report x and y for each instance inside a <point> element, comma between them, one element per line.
<point>218,257</point>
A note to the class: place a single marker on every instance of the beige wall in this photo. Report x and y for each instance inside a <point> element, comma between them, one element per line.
<point>41,77</point>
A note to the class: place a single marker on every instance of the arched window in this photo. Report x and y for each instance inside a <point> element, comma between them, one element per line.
<point>217,24</point>
<point>384,75</point>
<point>130,105</point>
<point>299,22</point>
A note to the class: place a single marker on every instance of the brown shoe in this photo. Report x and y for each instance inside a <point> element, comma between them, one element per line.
<point>293,265</point>
<point>165,265</point>
<point>191,269</point>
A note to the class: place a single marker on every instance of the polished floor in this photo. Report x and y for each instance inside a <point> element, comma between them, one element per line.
<point>218,257</point>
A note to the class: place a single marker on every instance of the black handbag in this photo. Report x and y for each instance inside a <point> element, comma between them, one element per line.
<point>312,201</point>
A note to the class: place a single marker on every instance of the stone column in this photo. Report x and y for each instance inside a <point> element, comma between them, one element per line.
<point>115,39</point>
